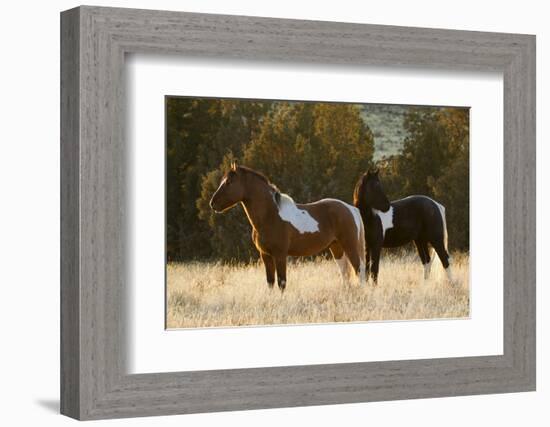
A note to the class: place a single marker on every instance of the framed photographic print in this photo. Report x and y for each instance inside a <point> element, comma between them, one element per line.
<point>315,150</point>
<point>261,213</point>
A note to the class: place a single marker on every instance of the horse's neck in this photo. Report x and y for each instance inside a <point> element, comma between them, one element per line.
<point>367,212</point>
<point>259,206</point>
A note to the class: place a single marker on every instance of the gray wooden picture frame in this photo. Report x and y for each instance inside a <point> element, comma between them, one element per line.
<point>94,381</point>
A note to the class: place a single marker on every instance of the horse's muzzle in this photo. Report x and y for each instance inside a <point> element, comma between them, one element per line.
<point>213,206</point>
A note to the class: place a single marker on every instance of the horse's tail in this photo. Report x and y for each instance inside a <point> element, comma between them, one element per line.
<point>444,219</point>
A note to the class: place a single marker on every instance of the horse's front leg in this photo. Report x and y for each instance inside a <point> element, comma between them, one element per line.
<point>280,264</point>
<point>367,262</point>
<point>375,262</point>
<point>269,264</point>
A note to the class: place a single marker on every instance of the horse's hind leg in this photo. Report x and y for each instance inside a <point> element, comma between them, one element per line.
<point>355,259</point>
<point>424,254</point>
<point>444,257</point>
<point>341,259</point>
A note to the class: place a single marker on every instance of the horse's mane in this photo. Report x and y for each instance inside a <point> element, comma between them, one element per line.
<point>260,176</point>
<point>358,191</point>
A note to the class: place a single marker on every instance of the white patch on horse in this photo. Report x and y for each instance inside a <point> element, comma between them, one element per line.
<point>354,211</point>
<point>444,219</point>
<point>300,219</point>
<point>386,218</point>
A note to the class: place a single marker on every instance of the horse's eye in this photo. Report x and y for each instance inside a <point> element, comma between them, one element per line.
<point>229,178</point>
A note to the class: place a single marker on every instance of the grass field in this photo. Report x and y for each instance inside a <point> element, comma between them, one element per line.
<point>214,294</point>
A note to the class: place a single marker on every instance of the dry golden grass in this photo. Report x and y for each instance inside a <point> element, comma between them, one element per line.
<point>213,294</point>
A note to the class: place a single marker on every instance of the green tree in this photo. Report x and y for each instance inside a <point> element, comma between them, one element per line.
<point>191,123</point>
<point>435,162</point>
<point>425,150</point>
<point>347,145</point>
<point>452,187</point>
<point>312,150</point>
<point>200,132</point>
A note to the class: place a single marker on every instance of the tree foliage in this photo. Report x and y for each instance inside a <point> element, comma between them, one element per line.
<point>434,161</point>
<point>310,151</point>
<point>199,133</point>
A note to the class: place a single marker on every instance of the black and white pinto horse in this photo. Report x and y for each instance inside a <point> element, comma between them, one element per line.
<point>414,218</point>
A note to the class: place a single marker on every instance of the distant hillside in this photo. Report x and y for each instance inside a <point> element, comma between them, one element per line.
<point>386,124</point>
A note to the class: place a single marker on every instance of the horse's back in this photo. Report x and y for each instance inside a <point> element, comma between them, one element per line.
<point>420,205</point>
<point>335,212</point>
<point>417,216</point>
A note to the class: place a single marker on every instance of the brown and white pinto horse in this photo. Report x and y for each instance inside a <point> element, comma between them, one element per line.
<point>281,227</point>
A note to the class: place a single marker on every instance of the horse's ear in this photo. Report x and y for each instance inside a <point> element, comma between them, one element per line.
<point>233,166</point>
